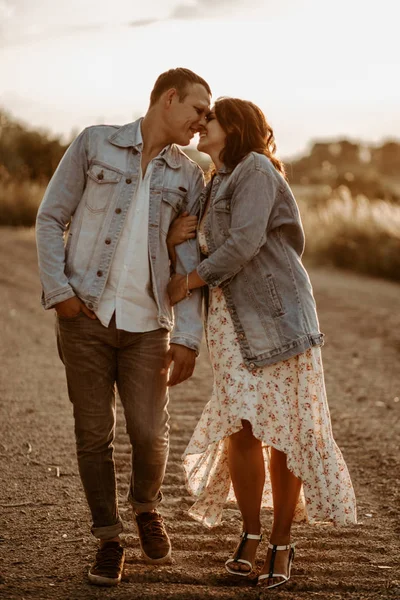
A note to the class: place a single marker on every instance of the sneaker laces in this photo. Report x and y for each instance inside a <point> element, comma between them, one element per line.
<point>153,526</point>
<point>108,556</point>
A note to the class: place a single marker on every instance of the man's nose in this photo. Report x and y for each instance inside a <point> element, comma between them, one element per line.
<point>202,123</point>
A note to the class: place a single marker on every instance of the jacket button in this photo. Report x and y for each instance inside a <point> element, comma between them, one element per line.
<point>108,241</point>
<point>100,175</point>
<point>128,180</point>
<point>252,365</point>
<point>241,336</point>
<point>99,273</point>
<point>118,210</point>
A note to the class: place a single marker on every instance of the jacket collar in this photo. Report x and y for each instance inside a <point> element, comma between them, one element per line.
<point>224,170</point>
<point>130,136</point>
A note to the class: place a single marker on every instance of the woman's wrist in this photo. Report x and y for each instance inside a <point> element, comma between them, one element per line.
<point>194,280</point>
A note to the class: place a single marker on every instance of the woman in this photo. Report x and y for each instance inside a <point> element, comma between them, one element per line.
<point>265,436</point>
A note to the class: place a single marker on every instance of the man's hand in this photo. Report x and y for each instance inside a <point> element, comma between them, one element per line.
<point>72,307</point>
<point>184,360</point>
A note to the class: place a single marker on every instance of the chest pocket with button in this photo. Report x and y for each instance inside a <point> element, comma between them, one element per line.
<point>101,187</point>
<point>173,202</point>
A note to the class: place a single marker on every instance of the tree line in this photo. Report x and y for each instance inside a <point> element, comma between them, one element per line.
<point>27,154</point>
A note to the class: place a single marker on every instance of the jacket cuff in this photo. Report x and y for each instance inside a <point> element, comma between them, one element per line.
<point>188,341</point>
<point>211,279</point>
<point>56,296</point>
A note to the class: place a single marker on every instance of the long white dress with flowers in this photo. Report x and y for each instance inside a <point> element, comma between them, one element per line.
<point>287,407</point>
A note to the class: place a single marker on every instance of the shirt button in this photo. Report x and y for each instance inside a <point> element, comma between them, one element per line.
<point>118,210</point>
<point>252,365</point>
<point>99,273</point>
<point>108,241</point>
<point>128,180</point>
<point>89,305</point>
<point>241,336</point>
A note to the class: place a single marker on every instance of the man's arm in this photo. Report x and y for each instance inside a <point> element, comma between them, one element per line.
<point>60,201</point>
<point>188,330</point>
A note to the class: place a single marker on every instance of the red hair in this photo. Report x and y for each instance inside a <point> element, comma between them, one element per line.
<point>247,130</point>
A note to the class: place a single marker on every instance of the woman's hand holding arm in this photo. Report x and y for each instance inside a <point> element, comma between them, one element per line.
<point>181,230</point>
<point>180,286</point>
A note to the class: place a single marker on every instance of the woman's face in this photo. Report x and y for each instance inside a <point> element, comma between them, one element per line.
<point>212,137</point>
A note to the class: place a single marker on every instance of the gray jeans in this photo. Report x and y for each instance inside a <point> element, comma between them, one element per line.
<point>97,359</point>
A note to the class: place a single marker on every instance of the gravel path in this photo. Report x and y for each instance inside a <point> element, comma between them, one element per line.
<point>45,543</point>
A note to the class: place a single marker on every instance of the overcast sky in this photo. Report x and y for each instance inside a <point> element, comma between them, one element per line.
<point>318,69</point>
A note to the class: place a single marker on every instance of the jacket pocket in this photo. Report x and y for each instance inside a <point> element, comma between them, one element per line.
<point>173,202</point>
<point>221,216</point>
<point>223,204</point>
<point>101,186</point>
<point>274,296</point>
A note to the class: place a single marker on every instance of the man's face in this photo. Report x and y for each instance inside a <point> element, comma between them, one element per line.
<point>188,117</point>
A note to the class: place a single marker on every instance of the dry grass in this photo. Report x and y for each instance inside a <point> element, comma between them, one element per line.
<point>19,202</point>
<point>354,233</point>
<point>349,232</point>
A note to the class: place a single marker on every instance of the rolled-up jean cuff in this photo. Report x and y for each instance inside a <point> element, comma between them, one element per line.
<point>141,507</point>
<point>108,532</point>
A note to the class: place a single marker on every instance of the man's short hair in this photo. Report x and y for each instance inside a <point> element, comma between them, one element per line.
<point>180,79</point>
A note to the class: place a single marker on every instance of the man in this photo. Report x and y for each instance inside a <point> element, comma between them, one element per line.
<point>115,192</point>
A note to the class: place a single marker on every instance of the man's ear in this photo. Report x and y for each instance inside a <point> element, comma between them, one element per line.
<point>169,96</point>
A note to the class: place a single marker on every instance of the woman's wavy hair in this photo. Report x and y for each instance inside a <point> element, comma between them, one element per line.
<point>247,130</point>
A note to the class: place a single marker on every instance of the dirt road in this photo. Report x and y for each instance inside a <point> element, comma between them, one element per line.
<point>45,544</point>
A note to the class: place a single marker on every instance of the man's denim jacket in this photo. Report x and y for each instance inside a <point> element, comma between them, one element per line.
<point>83,212</point>
<point>255,239</point>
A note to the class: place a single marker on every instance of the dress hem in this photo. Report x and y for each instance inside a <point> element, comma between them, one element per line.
<point>266,444</point>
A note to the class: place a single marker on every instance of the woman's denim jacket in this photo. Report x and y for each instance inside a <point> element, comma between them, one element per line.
<point>88,199</point>
<point>255,240</point>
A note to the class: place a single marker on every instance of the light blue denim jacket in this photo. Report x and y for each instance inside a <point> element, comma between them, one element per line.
<point>82,215</point>
<point>255,239</point>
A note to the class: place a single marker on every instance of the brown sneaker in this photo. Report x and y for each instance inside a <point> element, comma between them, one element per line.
<point>154,540</point>
<point>109,564</point>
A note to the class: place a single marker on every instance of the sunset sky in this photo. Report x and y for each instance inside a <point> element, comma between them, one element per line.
<point>318,69</point>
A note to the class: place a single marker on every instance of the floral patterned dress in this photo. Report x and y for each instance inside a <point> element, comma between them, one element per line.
<point>287,407</point>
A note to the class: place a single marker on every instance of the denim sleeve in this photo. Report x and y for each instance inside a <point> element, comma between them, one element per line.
<point>60,201</point>
<point>188,328</point>
<point>252,201</point>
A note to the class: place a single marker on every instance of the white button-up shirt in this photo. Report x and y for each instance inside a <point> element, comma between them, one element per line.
<point>128,290</point>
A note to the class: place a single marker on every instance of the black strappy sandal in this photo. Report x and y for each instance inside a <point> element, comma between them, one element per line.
<point>236,557</point>
<point>271,574</point>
